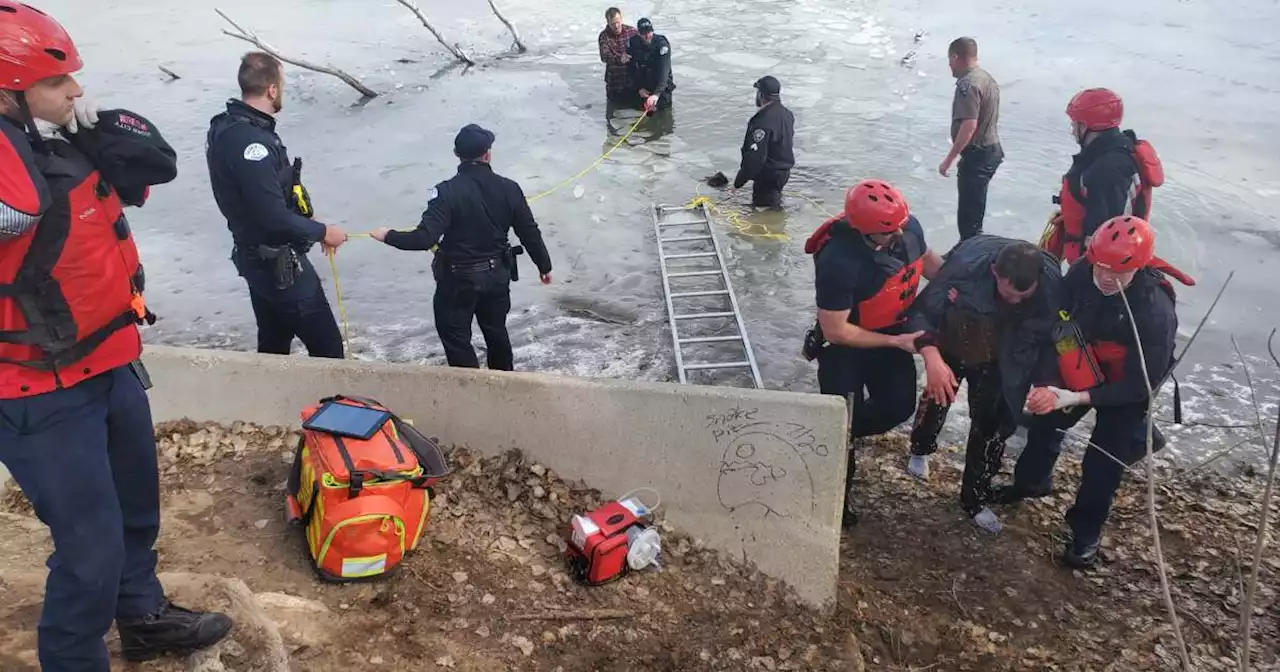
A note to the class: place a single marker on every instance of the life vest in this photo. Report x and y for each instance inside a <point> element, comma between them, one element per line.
<point>889,304</point>
<point>71,287</point>
<point>1066,237</point>
<point>1102,361</point>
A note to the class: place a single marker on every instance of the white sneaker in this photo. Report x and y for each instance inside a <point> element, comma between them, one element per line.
<point>918,467</point>
<point>987,521</point>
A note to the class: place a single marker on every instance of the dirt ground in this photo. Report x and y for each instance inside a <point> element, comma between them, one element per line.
<point>921,589</point>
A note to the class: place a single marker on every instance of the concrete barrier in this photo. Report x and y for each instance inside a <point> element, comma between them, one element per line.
<point>756,474</point>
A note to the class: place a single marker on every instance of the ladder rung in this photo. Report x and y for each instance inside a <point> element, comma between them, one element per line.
<point>710,292</point>
<point>686,274</point>
<point>687,222</point>
<point>682,239</point>
<point>710,339</point>
<point>688,255</point>
<point>721,365</point>
<point>699,316</point>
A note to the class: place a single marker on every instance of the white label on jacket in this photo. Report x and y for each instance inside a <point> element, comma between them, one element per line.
<point>255,152</point>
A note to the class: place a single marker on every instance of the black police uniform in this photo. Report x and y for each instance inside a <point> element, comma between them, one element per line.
<point>651,65</point>
<point>475,264</point>
<point>767,152</point>
<point>252,181</point>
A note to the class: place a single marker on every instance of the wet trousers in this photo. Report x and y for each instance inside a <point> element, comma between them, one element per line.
<point>302,311</point>
<point>766,188</point>
<point>482,292</point>
<point>973,175</point>
<point>991,423</point>
<point>86,459</point>
<point>1120,430</point>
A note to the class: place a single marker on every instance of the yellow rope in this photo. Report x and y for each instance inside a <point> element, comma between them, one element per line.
<point>593,164</point>
<point>342,308</point>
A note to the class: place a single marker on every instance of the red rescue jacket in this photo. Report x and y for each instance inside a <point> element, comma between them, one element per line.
<point>70,285</point>
<point>1067,236</point>
<point>888,305</point>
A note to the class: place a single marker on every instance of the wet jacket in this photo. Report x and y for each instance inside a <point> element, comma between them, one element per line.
<point>252,180</point>
<point>473,211</point>
<point>1113,175</point>
<point>1026,330</point>
<point>1105,325</point>
<point>651,65</point>
<point>70,280</point>
<point>613,46</point>
<point>767,145</point>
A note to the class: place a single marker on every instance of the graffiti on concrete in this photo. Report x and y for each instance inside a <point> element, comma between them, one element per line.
<point>766,467</point>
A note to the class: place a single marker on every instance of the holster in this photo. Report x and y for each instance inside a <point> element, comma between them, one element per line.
<point>509,260</point>
<point>286,264</point>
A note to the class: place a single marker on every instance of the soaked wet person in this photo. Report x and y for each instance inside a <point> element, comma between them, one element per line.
<point>987,318</point>
<point>1113,175</point>
<point>767,154</point>
<point>868,262</point>
<point>75,421</point>
<point>1103,371</point>
<point>269,215</point>
<point>651,67</point>
<point>475,264</point>
<point>975,139</point>
<point>613,42</point>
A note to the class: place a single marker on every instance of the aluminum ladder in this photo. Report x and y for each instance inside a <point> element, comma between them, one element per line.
<point>685,236</point>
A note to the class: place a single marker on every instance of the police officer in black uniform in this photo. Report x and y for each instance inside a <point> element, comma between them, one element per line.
<point>651,66</point>
<point>767,155</point>
<point>474,263</point>
<point>269,215</point>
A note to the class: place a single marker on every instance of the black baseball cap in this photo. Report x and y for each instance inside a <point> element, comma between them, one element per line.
<point>644,26</point>
<point>472,142</point>
<point>131,153</point>
<point>769,85</point>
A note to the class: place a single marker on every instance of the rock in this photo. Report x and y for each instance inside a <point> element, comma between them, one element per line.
<point>209,660</point>
<point>482,631</point>
<point>538,470</point>
<point>445,661</point>
<point>488,599</point>
<point>507,544</point>
<point>262,524</point>
<point>539,492</point>
<point>460,577</point>
<point>376,660</point>
<point>513,492</point>
<point>549,637</point>
<point>539,570</point>
<point>523,643</point>
<point>254,629</point>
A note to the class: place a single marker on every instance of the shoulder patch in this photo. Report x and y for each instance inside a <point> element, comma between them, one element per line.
<point>758,135</point>
<point>963,86</point>
<point>255,152</point>
<point>435,193</point>
<point>664,50</point>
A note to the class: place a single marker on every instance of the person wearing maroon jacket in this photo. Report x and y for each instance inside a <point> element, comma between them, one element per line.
<point>75,422</point>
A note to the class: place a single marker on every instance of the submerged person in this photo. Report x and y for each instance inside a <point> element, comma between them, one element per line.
<point>1113,175</point>
<point>651,74</point>
<point>269,215</point>
<point>1104,372</point>
<point>75,421</point>
<point>868,262</point>
<point>475,264</point>
<point>613,42</point>
<point>767,153</point>
<point>987,318</point>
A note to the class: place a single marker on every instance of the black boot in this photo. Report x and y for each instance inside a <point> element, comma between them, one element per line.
<point>1012,494</point>
<point>172,630</point>
<point>1082,557</point>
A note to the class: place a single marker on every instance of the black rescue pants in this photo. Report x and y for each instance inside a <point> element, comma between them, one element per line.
<point>1120,430</point>
<point>766,188</point>
<point>991,423</point>
<point>476,290</point>
<point>300,311</point>
<point>973,175</point>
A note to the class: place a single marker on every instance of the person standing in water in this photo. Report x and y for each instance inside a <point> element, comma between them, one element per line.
<point>975,140</point>
<point>613,42</point>
<point>651,67</point>
<point>767,153</point>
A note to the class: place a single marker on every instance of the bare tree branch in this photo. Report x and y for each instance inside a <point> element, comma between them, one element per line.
<point>1246,609</point>
<point>454,49</point>
<point>1151,485</point>
<point>252,38</point>
<point>172,75</point>
<point>514,33</point>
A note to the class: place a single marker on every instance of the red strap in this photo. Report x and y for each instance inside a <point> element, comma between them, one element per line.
<point>821,236</point>
<point>1170,270</point>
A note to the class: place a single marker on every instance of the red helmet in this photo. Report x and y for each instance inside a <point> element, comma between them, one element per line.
<point>1122,244</point>
<point>1097,109</point>
<point>33,46</point>
<point>874,206</point>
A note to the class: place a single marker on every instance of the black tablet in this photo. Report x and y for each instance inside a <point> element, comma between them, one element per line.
<point>346,420</point>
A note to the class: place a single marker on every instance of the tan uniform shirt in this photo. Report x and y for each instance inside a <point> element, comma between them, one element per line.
<point>977,97</point>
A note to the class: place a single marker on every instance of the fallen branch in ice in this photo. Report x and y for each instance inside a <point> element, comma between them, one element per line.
<point>252,38</point>
<point>514,33</point>
<point>1163,570</point>
<point>172,75</point>
<point>454,49</point>
<point>1246,609</point>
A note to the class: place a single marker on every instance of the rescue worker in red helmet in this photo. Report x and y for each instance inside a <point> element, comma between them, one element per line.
<point>1107,373</point>
<point>1114,174</point>
<point>868,262</point>
<point>75,423</point>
